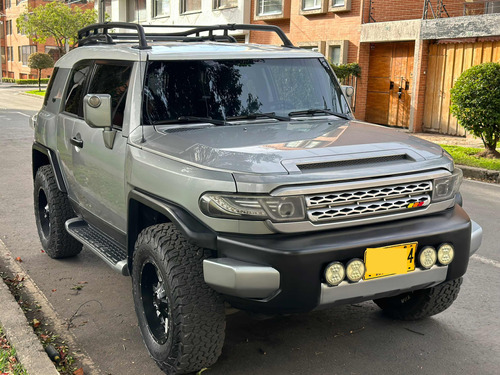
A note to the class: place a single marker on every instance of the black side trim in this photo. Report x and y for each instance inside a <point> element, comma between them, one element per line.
<point>194,231</point>
<point>51,155</point>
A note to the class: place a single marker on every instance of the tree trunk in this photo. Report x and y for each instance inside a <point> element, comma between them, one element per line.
<point>39,79</point>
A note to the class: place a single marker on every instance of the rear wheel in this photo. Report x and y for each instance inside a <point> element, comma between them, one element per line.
<point>52,209</point>
<point>182,320</point>
<point>422,303</point>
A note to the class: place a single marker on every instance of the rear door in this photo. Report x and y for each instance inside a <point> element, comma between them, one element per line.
<point>95,173</point>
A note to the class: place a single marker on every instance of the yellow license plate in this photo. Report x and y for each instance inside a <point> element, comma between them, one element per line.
<point>390,260</point>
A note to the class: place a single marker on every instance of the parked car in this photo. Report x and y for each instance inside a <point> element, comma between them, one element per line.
<point>216,173</point>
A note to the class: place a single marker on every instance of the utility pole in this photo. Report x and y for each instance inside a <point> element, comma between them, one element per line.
<point>101,11</point>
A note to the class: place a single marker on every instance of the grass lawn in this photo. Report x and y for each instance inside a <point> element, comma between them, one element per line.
<point>466,156</point>
<point>8,360</point>
<point>36,92</point>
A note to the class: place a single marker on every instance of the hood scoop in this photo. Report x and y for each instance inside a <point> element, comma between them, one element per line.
<point>349,162</point>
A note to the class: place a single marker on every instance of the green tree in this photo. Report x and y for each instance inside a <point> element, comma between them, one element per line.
<point>39,61</point>
<point>56,20</point>
<point>475,99</point>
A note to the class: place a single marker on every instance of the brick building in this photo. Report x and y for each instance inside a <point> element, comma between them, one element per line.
<point>16,46</point>
<point>410,51</point>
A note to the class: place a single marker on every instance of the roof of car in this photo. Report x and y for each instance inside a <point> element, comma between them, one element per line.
<point>181,50</point>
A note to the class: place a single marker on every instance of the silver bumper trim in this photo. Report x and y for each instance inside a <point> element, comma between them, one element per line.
<point>476,237</point>
<point>372,289</point>
<point>240,279</point>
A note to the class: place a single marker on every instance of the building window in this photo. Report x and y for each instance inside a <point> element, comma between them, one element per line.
<point>8,27</point>
<point>2,53</point>
<point>10,53</point>
<point>311,4</point>
<point>334,55</point>
<point>25,52</point>
<point>339,5</point>
<point>336,51</point>
<point>188,6</point>
<point>269,7</point>
<point>136,11</point>
<point>8,4</point>
<point>223,4</point>
<point>161,8</point>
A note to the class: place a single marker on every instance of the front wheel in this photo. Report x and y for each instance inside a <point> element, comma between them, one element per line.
<point>422,303</point>
<point>182,320</point>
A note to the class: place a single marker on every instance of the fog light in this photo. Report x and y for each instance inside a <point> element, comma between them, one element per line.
<point>445,254</point>
<point>427,257</point>
<point>355,270</point>
<point>334,273</point>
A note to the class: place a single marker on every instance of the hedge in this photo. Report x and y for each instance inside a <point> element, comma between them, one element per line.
<point>25,81</point>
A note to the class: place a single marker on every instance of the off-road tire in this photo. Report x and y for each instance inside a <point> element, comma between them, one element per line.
<point>194,312</point>
<point>421,303</point>
<point>52,209</point>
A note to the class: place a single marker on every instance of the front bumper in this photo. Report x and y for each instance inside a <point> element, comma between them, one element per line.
<point>283,273</point>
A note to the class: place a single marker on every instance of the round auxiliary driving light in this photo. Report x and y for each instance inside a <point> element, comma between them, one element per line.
<point>355,270</point>
<point>427,257</point>
<point>445,254</point>
<point>334,273</point>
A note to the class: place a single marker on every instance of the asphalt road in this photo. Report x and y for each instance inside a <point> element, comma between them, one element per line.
<point>353,339</point>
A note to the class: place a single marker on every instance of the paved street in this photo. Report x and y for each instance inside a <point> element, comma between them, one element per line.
<point>353,339</point>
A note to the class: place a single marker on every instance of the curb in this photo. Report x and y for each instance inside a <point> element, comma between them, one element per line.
<point>29,350</point>
<point>32,95</point>
<point>480,174</point>
<point>12,318</point>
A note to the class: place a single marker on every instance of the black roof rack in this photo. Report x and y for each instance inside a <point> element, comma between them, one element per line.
<point>99,33</point>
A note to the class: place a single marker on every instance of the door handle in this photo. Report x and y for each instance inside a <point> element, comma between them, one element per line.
<point>76,142</point>
<point>407,86</point>
<point>400,91</point>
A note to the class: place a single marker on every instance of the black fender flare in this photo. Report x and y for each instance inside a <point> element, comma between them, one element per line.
<point>37,149</point>
<point>192,229</point>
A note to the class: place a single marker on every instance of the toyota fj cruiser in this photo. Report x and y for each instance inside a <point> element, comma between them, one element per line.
<point>215,172</point>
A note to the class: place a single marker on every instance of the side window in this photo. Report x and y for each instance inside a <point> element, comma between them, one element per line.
<point>112,78</point>
<point>49,87</point>
<point>76,88</point>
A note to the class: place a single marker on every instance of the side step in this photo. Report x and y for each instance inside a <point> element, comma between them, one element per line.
<point>102,245</point>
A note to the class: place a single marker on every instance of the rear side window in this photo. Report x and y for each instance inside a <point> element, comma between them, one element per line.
<point>76,88</point>
<point>112,78</point>
<point>49,86</point>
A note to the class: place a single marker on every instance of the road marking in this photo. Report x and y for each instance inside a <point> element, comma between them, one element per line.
<point>484,260</point>
<point>23,114</point>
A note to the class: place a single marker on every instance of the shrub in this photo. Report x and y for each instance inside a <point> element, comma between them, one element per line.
<point>344,71</point>
<point>475,99</point>
<point>28,81</point>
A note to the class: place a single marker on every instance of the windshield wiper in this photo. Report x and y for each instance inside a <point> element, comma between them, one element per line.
<point>314,111</point>
<point>256,115</point>
<point>186,119</point>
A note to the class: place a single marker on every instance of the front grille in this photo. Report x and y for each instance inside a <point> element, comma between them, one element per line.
<point>355,204</point>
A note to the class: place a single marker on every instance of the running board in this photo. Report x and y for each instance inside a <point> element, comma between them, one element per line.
<point>102,245</point>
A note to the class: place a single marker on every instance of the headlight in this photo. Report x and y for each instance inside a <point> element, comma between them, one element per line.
<point>252,207</point>
<point>446,187</point>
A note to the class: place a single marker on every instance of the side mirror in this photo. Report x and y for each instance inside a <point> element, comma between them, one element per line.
<point>348,90</point>
<point>97,110</point>
<point>97,114</point>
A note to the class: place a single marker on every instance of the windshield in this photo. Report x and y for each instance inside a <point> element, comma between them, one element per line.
<point>226,89</point>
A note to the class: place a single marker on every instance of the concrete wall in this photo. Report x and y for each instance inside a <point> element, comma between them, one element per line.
<point>390,31</point>
<point>461,27</point>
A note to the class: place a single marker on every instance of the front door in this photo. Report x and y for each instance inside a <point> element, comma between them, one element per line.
<point>95,173</point>
<point>390,79</point>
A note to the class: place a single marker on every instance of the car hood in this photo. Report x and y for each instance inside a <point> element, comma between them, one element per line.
<point>289,147</point>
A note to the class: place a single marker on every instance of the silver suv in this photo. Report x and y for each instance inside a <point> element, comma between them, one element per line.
<point>217,173</point>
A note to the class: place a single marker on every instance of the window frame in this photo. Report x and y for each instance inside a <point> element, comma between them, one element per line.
<point>332,7</point>
<point>343,44</point>
<point>79,113</point>
<point>154,9</point>
<point>320,9</point>
<point>215,5</point>
<point>183,10</point>
<point>284,14</point>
